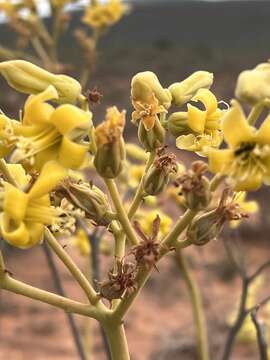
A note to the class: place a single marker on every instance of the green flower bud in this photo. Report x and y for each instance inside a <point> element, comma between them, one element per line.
<point>184,91</point>
<point>153,138</point>
<point>110,153</point>
<point>109,159</point>
<point>90,199</point>
<point>204,228</point>
<point>254,85</point>
<point>144,84</point>
<point>177,124</point>
<point>158,175</point>
<point>28,78</point>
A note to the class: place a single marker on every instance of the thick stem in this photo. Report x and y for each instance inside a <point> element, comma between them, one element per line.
<point>121,212</point>
<point>197,306</point>
<point>117,341</point>
<point>73,268</point>
<point>18,287</point>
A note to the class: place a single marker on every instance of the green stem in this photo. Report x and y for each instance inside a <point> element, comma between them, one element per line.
<point>197,306</point>
<point>140,192</point>
<point>73,268</point>
<point>18,287</point>
<point>117,341</point>
<point>121,212</point>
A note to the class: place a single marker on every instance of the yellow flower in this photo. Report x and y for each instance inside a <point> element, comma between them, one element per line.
<point>10,8</point>
<point>49,133</point>
<point>26,213</point>
<point>248,207</point>
<point>204,125</point>
<point>100,16</point>
<point>146,219</point>
<point>147,112</point>
<point>247,160</point>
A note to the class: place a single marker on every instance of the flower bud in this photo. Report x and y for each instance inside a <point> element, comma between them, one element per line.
<point>88,198</point>
<point>195,187</point>
<point>157,177</point>
<point>153,138</point>
<point>204,228</point>
<point>28,78</point>
<point>254,85</point>
<point>144,84</point>
<point>110,153</point>
<point>178,124</point>
<point>183,91</point>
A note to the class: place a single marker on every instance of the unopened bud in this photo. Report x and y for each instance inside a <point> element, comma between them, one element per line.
<point>184,91</point>
<point>153,138</point>
<point>158,175</point>
<point>177,124</point>
<point>28,78</point>
<point>110,153</point>
<point>90,199</point>
<point>254,85</point>
<point>204,228</point>
<point>144,84</point>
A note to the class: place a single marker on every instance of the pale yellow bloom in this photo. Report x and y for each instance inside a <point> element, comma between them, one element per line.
<point>204,125</point>
<point>247,160</point>
<point>101,16</point>
<point>146,218</point>
<point>26,213</point>
<point>49,133</point>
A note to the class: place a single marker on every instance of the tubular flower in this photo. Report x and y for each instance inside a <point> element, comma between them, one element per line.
<point>25,214</point>
<point>110,144</point>
<point>49,133</point>
<point>247,160</point>
<point>249,207</point>
<point>101,16</point>
<point>202,127</point>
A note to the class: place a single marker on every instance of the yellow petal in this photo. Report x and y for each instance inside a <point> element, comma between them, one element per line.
<point>208,99</point>
<point>71,155</point>
<point>186,142</point>
<point>236,129</point>
<point>196,119</point>
<point>15,202</point>
<point>67,118</point>
<point>51,174</point>
<point>263,134</point>
<point>250,183</point>
<point>36,231</point>
<point>219,159</point>
<point>14,233</point>
<point>149,121</point>
<point>36,110</point>
<point>18,174</point>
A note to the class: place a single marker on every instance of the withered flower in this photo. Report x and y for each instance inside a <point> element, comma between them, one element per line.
<point>120,281</point>
<point>158,174</point>
<point>195,187</point>
<point>148,251</point>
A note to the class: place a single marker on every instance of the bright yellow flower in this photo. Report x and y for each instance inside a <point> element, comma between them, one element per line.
<point>103,15</point>
<point>247,160</point>
<point>135,172</point>
<point>147,112</point>
<point>49,133</point>
<point>81,242</point>
<point>26,213</point>
<point>146,219</point>
<point>10,8</point>
<point>204,125</point>
<point>248,207</point>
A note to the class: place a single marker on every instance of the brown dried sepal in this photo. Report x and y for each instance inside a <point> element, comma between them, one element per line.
<point>148,251</point>
<point>123,280</point>
<point>191,181</point>
<point>166,161</point>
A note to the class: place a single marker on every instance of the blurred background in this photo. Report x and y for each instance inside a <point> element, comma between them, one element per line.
<point>173,39</point>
